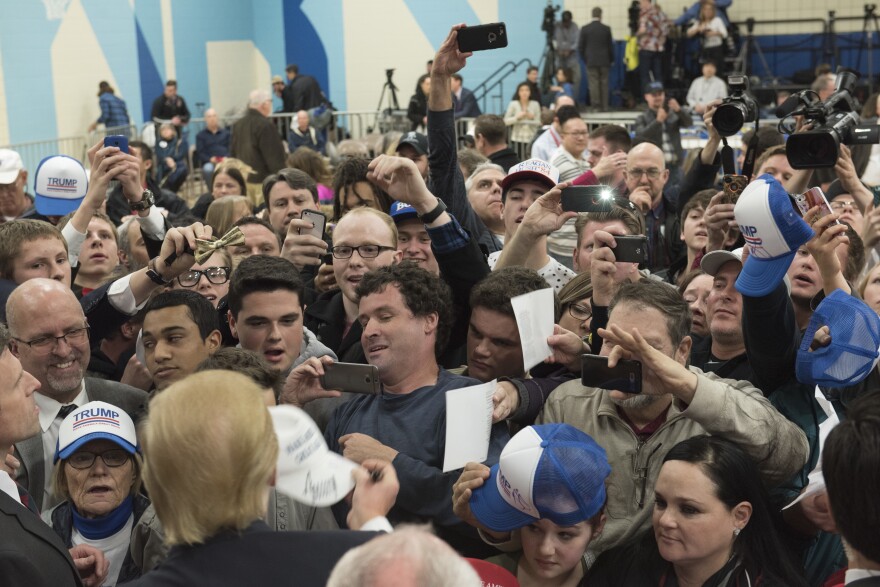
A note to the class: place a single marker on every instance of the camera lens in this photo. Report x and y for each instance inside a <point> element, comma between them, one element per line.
<point>728,119</point>
<point>812,149</point>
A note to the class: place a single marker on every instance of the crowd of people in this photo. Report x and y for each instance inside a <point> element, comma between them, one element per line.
<point>162,367</point>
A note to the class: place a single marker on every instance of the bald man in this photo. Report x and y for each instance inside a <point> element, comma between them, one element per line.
<point>51,340</point>
<point>212,145</point>
<point>646,176</point>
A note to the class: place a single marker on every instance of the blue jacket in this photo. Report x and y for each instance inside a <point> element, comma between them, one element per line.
<point>212,144</point>
<point>113,110</point>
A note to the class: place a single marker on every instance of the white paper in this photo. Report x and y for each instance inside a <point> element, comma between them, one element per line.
<point>468,425</point>
<point>816,481</point>
<point>534,320</point>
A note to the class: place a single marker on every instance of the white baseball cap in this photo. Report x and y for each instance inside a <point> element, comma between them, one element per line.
<point>60,185</point>
<point>307,470</point>
<point>10,166</point>
<point>95,421</point>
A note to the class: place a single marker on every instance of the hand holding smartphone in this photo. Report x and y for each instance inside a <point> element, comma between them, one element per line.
<point>626,376</point>
<point>118,141</point>
<point>631,249</point>
<point>482,37</point>
<point>318,220</point>
<point>811,198</point>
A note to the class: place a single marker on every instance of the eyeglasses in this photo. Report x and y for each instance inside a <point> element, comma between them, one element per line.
<point>112,458</point>
<point>579,312</point>
<point>216,275</point>
<point>841,204</point>
<point>577,133</point>
<point>44,344</point>
<point>651,173</point>
<point>365,251</point>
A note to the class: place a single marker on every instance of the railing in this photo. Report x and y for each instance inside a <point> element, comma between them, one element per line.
<point>491,83</point>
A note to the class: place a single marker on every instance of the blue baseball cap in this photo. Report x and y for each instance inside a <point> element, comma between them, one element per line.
<point>654,87</point>
<point>401,211</point>
<point>855,340</point>
<point>551,471</point>
<point>774,231</point>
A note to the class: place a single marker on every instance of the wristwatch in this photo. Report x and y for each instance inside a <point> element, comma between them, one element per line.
<point>153,274</point>
<point>433,214</point>
<point>146,202</point>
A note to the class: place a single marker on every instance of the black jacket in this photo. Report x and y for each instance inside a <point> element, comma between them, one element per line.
<point>255,556</point>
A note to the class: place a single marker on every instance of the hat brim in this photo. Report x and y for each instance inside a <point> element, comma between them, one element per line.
<point>408,215</point>
<point>7,177</point>
<point>414,144</point>
<point>490,508</point>
<point>73,446</point>
<point>759,277</point>
<point>55,206</point>
<point>527,176</point>
<point>326,480</point>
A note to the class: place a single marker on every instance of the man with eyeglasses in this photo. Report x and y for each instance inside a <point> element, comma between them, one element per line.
<point>50,336</point>
<point>30,551</point>
<point>646,176</point>
<point>181,329</point>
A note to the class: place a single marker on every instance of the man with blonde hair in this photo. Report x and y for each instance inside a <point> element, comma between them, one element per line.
<point>199,430</point>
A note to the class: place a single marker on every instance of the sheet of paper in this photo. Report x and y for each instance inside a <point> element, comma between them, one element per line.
<point>816,481</point>
<point>534,319</point>
<point>468,425</point>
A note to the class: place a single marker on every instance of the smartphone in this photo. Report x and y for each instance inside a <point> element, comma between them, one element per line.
<point>120,141</point>
<point>631,249</point>
<point>626,376</point>
<point>733,186</point>
<point>587,198</point>
<point>811,198</point>
<point>327,259</point>
<point>317,219</point>
<point>352,377</point>
<point>482,37</point>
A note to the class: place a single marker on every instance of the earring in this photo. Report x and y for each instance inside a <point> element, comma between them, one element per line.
<point>736,532</point>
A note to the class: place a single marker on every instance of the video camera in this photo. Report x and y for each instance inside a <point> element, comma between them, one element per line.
<point>834,121</point>
<point>737,109</point>
<point>548,25</point>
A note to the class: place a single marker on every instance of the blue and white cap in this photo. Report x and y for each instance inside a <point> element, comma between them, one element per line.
<point>855,339</point>
<point>60,185</point>
<point>551,471</point>
<point>401,211</point>
<point>95,421</point>
<point>774,231</point>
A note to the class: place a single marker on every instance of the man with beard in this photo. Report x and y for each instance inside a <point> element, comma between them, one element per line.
<point>649,322</point>
<point>53,346</point>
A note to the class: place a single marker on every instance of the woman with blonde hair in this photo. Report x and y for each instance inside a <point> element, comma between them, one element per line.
<point>226,211</point>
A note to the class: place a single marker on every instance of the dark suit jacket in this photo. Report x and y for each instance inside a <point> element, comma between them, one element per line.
<point>255,140</point>
<point>595,45</point>
<point>30,452</point>
<point>466,106</point>
<point>31,554</point>
<point>869,582</point>
<point>257,556</point>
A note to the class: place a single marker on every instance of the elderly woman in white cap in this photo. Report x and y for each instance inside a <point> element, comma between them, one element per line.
<point>98,470</point>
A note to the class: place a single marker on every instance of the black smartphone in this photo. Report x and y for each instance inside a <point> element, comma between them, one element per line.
<point>631,249</point>
<point>587,198</point>
<point>317,219</point>
<point>482,37</point>
<point>327,259</point>
<point>352,377</point>
<point>120,141</point>
<point>626,376</point>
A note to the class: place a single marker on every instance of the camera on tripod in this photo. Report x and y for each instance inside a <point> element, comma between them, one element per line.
<point>737,109</point>
<point>834,121</point>
<point>548,25</point>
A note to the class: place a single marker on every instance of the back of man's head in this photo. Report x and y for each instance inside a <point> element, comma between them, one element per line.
<point>650,293</point>
<point>423,293</point>
<point>566,113</point>
<point>496,289</point>
<point>851,466</point>
<point>248,363</point>
<point>597,12</point>
<point>198,308</point>
<point>261,273</point>
<point>292,68</point>
<point>257,98</point>
<point>15,235</point>
<point>616,137</point>
<point>408,557</point>
<point>492,129</point>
